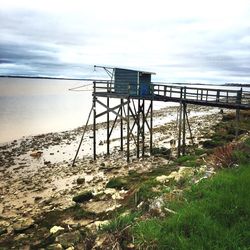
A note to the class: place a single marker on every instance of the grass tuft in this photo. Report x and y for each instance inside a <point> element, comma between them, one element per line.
<point>119,223</point>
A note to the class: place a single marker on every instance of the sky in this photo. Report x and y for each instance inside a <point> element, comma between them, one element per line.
<point>181,41</point>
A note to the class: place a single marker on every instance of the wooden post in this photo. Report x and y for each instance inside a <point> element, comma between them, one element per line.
<point>189,127</point>
<point>121,128</point>
<point>151,128</point>
<point>179,131</point>
<point>184,129</point>
<point>138,129</point>
<point>238,101</point>
<point>128,130</point>
<point>218,96</point>
<point>143,127</point>
<point>108,126</point>
<point>180,124</point>
<point>94,122</point>
<point>237,122</point>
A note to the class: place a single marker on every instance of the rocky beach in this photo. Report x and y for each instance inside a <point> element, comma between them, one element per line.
<point>37,176</point>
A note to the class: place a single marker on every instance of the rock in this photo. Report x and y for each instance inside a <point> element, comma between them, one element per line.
<point>155,207</point>
<point>162,179</point>
<point>200,179</point>
<point>70,248</point>
<point>98,207</point>
<point>4,224</point>
<point>55,229</point>
<point>184,172</point>
<point>23,225</point>
<point>37,198</point>
<point>202,169</point>
<point>54,247</point>
<point>20,237</point>
<point>77,223</point>
<point>112,208</point>
<point>36,154</point>
<point>130,246</point>
<point>97,225</point>
<point>109,191</point>
<point>3,231</point>
<point>69,239</point>
<point>100,241</point>
<point>82,197</point>
<point>174,175</point>
<point>117,196</point>
<point>80,180</point>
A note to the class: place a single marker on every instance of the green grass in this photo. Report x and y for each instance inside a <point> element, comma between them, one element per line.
<point>146,191</point>
<point>215,214</point>
<point>119,223</point>
<point>118,183</point>
<point>225,130</point>
<point>148,234</point>
<point>200,151</point>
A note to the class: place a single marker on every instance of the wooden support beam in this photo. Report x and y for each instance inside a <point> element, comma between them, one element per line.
<point>238,101</point>
<point>108,136</point>
<point>84,131</point>
<point>94,127</point>
<point>180,125</point>
<point>179,131</point>
<point>138,131</point>
<point>143,128</point>
<point>237,117</point>
<point>128,132</point>
<point>121,127</point>
<point>151,128</point>
<point>189,128</point>
<point>110,109</point>
<point>114,123</point>
<point>184,129</point>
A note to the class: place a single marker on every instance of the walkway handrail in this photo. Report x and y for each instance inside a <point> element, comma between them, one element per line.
<point>176,93</point>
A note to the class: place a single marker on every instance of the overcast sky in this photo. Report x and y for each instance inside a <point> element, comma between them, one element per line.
<point>196,41</point>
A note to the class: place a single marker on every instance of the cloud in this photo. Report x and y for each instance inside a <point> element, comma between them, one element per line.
<point>180,40</point>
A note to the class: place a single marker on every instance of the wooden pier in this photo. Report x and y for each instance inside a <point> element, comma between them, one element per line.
<point>132,109</point>
<point>136,94</point>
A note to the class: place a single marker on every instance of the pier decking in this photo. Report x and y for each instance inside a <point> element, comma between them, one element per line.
<point>224,98</point>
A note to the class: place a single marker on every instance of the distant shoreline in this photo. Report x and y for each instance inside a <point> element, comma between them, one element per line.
<point>89,79</point>
<point>49,78</point>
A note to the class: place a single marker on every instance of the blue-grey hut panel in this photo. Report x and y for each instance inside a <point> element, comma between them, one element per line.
<point>144,83</point>
<point>126,81</point>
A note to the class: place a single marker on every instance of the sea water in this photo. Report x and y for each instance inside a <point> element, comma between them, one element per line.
<point>35,106</point>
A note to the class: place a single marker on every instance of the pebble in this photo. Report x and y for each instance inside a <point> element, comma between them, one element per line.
<point>55,229</point>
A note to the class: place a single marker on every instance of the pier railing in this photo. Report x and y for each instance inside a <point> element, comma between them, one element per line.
<point>175,93</point>
<point>203,94</point>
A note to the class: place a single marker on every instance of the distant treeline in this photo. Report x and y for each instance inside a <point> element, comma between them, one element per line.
<point>238,84</point>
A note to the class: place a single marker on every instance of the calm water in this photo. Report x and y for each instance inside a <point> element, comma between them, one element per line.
<point>36,106</point>
<point>30,107</point>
